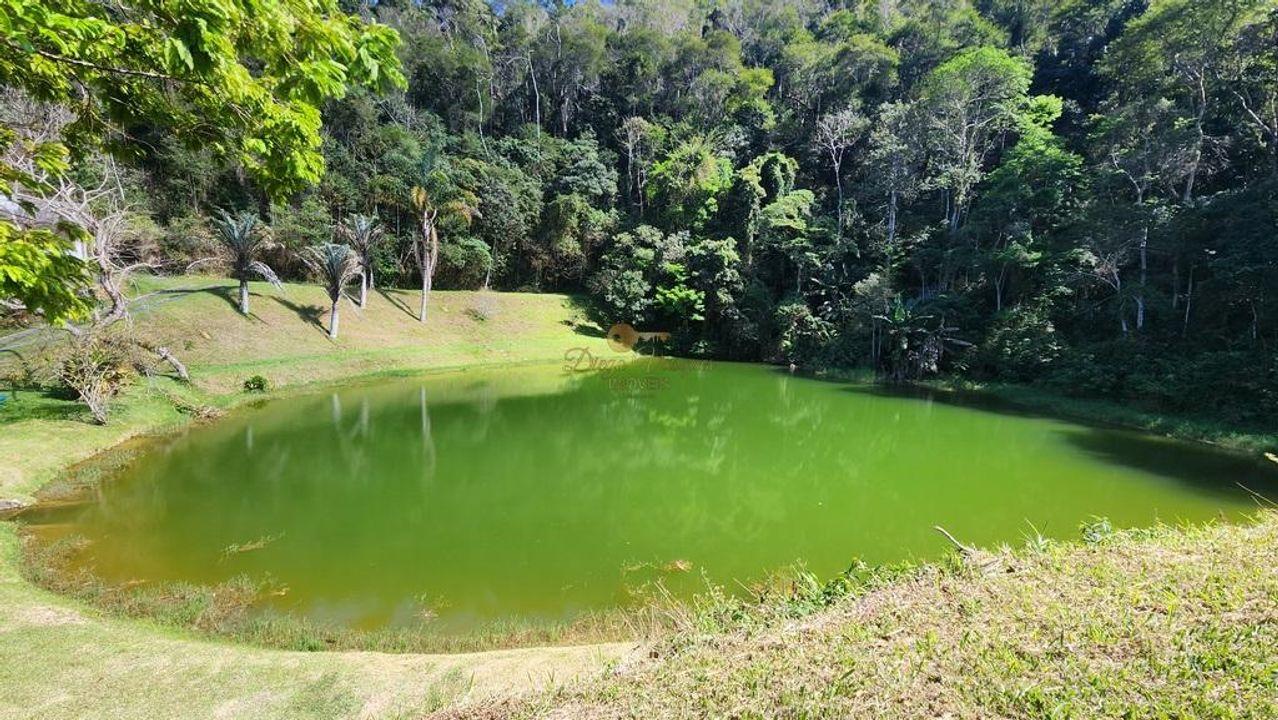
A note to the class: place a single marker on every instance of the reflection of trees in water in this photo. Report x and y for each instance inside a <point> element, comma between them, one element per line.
<point>429,454</point>
<point>424,488</point>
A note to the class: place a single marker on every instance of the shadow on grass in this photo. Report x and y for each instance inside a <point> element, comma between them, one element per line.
<point>22,405</point>
<point>400,304</point>
<point>228,293</point>
<point>593,326</point>
<point>310,314</point>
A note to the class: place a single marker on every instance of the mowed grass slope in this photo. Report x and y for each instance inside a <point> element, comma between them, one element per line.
<point>61,659</point>
<point>284,337</point>
<point>1163,623</point>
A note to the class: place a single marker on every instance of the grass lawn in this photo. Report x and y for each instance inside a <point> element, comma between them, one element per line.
<point>61,659</point>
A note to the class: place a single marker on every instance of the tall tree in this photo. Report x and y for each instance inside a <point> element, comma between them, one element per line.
<point>836,133</point>
<point>430,209</point>
<point>971,101</point>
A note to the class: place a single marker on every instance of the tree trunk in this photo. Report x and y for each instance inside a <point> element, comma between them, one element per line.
<point>891,218</point>
<point>244,308</point>
<point>173,362</point>
<point>1144,278</point>
<point>1189,303</point>
<point>363,291</point>
<point>421,311</point>
<point>332,321</point>
<point>838,182</point>
<point>532,72</point>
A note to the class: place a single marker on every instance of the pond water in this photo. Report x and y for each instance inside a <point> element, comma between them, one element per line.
<point>536,494</point>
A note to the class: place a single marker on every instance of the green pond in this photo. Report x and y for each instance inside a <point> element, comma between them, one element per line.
<point>538,494</point>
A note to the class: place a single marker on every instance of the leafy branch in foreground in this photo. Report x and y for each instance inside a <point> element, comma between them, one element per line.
<point>241,78</point>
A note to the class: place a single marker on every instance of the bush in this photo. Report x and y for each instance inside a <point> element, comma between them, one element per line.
<point>805,337</point>
<point>1233,386</point>
<point>1022,344</point>
<point>463,263</point>
<point>256,384</point>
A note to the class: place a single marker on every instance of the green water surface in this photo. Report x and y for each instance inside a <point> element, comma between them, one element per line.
<point>536,494</point>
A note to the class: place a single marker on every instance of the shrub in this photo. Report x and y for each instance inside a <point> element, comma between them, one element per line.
<point>1021,344</point>
<point>805,337</point>
<point>256,384</point>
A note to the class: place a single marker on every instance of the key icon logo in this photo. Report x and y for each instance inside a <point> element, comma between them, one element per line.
<point>622,337</point>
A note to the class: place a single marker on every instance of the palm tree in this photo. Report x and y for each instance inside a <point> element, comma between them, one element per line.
<point>334,266</point>
<point>364,233</point>
<point>241,239</point>
<point>426,247</point>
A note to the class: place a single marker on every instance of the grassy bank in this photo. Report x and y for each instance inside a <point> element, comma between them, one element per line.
<point>1162,623</point>
<point>60,658</point>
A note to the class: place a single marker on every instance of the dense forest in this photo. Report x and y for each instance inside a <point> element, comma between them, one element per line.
<point>1080,193</point>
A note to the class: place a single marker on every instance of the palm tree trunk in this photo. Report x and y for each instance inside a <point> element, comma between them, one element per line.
<point>363,291</point>
<point>421,311</point>
<point>332,321</point>
<point>244,308</point>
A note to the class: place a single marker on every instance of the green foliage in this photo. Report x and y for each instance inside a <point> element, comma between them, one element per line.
<point>767,180</point>
<point>1020,344</point>
<point>38,270</point>
<point>244,79</point>
<point>686,185</point>
<point>256,384</point>
<point>1096,530</point>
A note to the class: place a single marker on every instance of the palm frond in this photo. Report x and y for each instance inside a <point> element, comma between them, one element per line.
<point>334,265</point>
<point>240,237</point>
<point>264,270</point>
<point>362,232</point>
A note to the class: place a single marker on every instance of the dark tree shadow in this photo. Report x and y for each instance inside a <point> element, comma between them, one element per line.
<point>230,294</point>
<point>1202,468</point>
<point>56,404</point>
<point>396,302</point>
<point>593,327</point>
<point>310,314</point>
